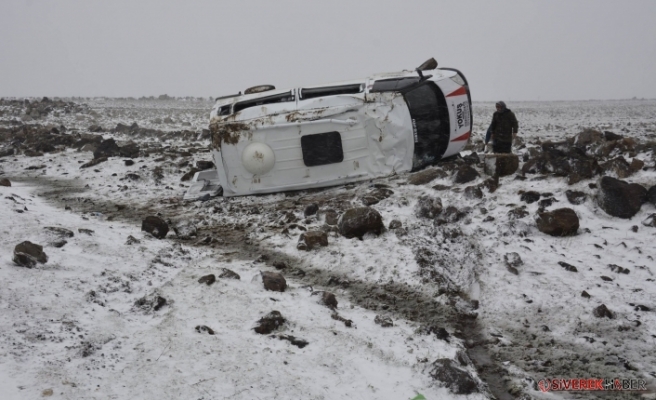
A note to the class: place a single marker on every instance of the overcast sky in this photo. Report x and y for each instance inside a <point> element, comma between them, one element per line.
<point>511,50</point>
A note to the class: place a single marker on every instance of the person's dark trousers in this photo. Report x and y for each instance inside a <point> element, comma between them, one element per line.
<point>502,147</point>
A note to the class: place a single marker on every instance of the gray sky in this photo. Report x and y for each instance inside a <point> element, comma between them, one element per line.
<point>511,50</point>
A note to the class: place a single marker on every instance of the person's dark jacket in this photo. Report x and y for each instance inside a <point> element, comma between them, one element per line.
<point>504,124</point>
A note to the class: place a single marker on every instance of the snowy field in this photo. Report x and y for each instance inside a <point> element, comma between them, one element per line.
<point>484,289</point>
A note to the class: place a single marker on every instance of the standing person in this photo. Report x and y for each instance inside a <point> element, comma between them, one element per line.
<point>503,129</point>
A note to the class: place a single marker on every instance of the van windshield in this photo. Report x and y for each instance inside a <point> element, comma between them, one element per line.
<point>430,123</point>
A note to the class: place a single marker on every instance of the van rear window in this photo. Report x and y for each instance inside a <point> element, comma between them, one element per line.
<point>322,148</point>
<point>393,85</point>
<point>278,98</point>
<point>310,93</point>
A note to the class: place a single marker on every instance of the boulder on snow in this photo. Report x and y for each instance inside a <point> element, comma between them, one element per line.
<point>576,197</point>
<point>312,239</point>
<point>185,229</point>
<point>650,221</point>
<point>530,197</point>
<point>473,192</point>
<point>457,380</point>
<point>61,232</point>
<point>651,195</point>
<point>465,174</point>
<point>33,250</point>
<point>428,207</point>
<point>155,226</point>
<point>229,274</point>
<point>588,137</point>
<point>151,302</point>
<point>269,323</point>
<point>619,198</point>
<point>329,300</point>
<point>603,312</point>
<point>208,279</point>
<point>357,222</point>
<point>560,222</point>
<point>273,281</point>
<point>500,164</point>
<point>5,182</point>
<point>311,209</point>
<point>107,148</point>
<point>130,150</point>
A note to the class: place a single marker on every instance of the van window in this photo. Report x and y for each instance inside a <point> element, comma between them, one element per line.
<point>322,148</point>
<point>278,98</point>
<point>430,123</point>
<point>393,85</point>
<point>310,93</point>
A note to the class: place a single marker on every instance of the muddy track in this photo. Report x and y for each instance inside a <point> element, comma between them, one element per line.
<point>399,300</point>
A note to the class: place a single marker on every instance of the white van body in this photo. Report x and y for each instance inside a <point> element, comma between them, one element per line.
<point>317,136</point>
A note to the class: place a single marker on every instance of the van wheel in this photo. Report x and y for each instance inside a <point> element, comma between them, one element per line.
<point>259,89</point>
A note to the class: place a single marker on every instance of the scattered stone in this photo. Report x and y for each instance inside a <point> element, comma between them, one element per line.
<point>204,329</point>
<point>426,176</point>
<point>384,322</point>
<point>588,137</point>
<point>617,269</point>
<point>273,281</point>
<point>130,150</point>
<point>603,312</point>
<point>88,232</point>
<point>279,265</point>
<point>347,322</point>
<point>606,278</point>
<point>619,198</point>
<point>311,209</point>
<point>300,343</point>
<point>185,229</point>
<point>618,166</point>
<point>58,243</point>
<point>47,393</point>
<point>472,158</point>
<point>356,222</point>
<point>651,195</point>
<point>568,267</point>
<point>441,187</point>
<point>649,221</point>
<point>203,165</point>
<point>457,380</point>
<point>500,164</point>
<point>269,323</point>
<point>61,232</point>
<point>585,294</point>
<point>331,217</point>
<point>107,148</point>
<point>634,228</point>
<point>33,250</point>
<point>24,260</point>
<point>530,196</point>
<point>5,182</point>
<point>576,197</point>
<point>465,174</point>
<point>375,196</point>
<point>155,226</point>
<point>128,163</point>
<point>611,136</point>
<point>473,192</point>
<point>313,239</point>
<point>513,260</point>
<point>395,224</point>
<point>229,274</point>
<point>189,175</point>
<point>329,300</point>
<point>439,332</point>
<point>93,162</point>
<point>428,207</point>
<point>560,222</point>
<point>518,213</point>
<point>132,240</point>
<point>151,302</point>
<point>208,279</point>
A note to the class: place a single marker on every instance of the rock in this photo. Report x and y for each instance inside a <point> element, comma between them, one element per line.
<point>331,217</point>
<point>269,323</point>
<point>513,259</point>
<point>518,213</point>
<point>375,196</point>
<point>185,229</point>
<point>311,209</point>
<point>155,226</point>
<point>61,232</point>
<point>560,222</point>
<point>500,164</point>
<point>473,192</point>
<point>204,329</point>
<point>313,239</point>
<point>428,207</point>
<point>395,224</point>
<point>603,312</point>
<point>203,165</point>
<point>472,159</point>
<point>132,240</point>
<point>465,174</point>
<point>130,150</point>
<point>356,222</point>
<point>457,380</point>
<point>151,302</point>
<point>568,267</point>
<point>32,249</point>
<point>58,243</point>
<point>619,270</point>
<point>208,279</point>
<point>300,343</point>
<point>88,232</point>
<point>384,322</point>
<point>530,196</point>
<point>273,281</point>
<point>491,184</point>
<point>619,198</point>
<point>588,137</point>
<point>329,300</point>
<point>24,260</point>
<point>636,165</point>
<point>576,197</point>
<point>617,166</point>
<point>6,152</point>
<point>229,274</point>
<point>93,162</point>
<point>128,163</point>
<point>608,135</point>
<point>649,221</point>
<point>96,128</point>
<point>107,148</point>
<point>585,294</point>
<point>5,182</point>
<point>426,176</point>
<point>441,187</point>
<point>189,175</point>
<point>651,195</point>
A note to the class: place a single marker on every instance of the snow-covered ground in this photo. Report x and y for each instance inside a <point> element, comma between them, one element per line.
<point>70,328</point>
